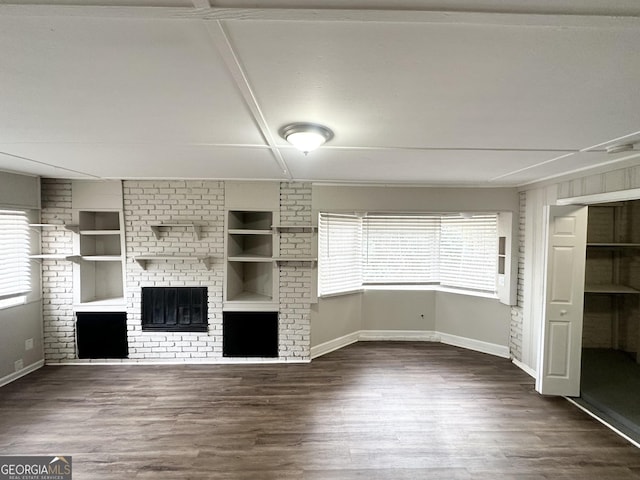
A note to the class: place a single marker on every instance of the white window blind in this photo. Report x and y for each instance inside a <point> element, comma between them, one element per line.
<point>401,249</point>
<point>14,254</point>
<point>468,252</point>
<point>339,253</point>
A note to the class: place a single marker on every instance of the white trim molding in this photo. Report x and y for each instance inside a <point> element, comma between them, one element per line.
<point>21,373</point>
<point>186,361</point>
<point>410,336</point>
<point>335,344</point>
<point>399,335</point>
<point>477,345</point>
<point>525,368</point>
<point>617,196</point>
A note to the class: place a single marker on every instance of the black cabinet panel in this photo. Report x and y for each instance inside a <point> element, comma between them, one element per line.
<point>250,334</point>
<point>102,335</point>
<point>174,309</point>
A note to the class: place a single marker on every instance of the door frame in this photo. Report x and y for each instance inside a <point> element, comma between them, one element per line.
<point>536,310</point>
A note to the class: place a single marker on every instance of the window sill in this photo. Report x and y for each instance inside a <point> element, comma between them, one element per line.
<point>433,288</point>
<point>340,294</point>
<point>410,288</point>
<point>13,302</point>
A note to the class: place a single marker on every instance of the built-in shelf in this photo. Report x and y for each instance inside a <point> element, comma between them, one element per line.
<point>73,228</point>
<point>311,260</point>
<point>50,256</point>
<point>98,271</point>
<point>241,231</point>
<point>196,230</point>
<point>116,304</point>
<point>251,297</point>
<point>609,289</point>
<point>250,258</point>
<point>99,232</point>
<point>142,260</point>
<point>94,258</point>
<point>303,228</point>
<point>249,265</point>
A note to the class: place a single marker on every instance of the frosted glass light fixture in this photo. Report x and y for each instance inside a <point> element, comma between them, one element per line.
<point>306,137</point>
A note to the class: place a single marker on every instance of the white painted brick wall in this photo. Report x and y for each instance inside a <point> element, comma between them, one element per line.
<point>153,202</point>
<point>517,311</point>
<point>295,277</point>
<point>57,275</point>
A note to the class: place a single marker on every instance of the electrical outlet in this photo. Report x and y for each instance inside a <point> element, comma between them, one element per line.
<point>18,365</point>
<point>28,344</point>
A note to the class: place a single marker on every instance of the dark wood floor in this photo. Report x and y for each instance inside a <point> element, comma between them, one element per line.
<point>378,410</point>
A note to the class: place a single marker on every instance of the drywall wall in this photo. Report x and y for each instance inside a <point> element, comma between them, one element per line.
<point>335,317</point>
<point>406,310</point>
<point>22,322</point>
<point>478,318</point>
<point>475,318</point>
<point>19,324</point>
<point>413,199</point>
<point>19,191</point>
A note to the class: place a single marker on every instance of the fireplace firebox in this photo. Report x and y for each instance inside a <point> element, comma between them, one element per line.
<point>174,309</point>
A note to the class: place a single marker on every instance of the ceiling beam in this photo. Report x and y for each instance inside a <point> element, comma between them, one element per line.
<point>201,12</point>
<point>223,44</point>
<point>203,4</point>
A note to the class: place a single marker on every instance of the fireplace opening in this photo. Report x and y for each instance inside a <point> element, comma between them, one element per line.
<point>250,334</point>
<point>174,309</point>
<point>102,335</point>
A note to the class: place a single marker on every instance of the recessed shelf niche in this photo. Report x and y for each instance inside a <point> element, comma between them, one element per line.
<point>249,257</point>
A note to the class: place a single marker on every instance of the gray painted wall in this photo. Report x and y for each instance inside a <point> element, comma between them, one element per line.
<point>476,318</point>
<point>22,322</point>
<point>335,317</point>
<point>411,310</point>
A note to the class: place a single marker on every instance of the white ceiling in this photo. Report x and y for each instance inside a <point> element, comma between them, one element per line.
<point>457,92</point>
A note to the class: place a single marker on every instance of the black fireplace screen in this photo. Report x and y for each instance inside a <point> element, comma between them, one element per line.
<point>174,309</point>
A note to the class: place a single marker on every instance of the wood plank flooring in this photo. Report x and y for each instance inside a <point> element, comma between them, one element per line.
<point>373,410</point>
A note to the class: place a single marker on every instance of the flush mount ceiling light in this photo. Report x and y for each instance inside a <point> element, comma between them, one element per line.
<point>306,136</point>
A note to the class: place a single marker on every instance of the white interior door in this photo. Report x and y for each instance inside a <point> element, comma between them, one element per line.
<point>560,352</point>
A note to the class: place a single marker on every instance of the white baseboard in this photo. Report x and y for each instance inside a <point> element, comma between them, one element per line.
<point>477,345</point>
<point>21,373</point>
<point>186,361</point>
<point>335,344</point>
<point>411,336</point>
<point>525,368</point>
<point>399,335</point>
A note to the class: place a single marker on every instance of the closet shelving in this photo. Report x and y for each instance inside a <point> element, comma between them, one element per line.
<point>611,284</point>
<point>607,249</point>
